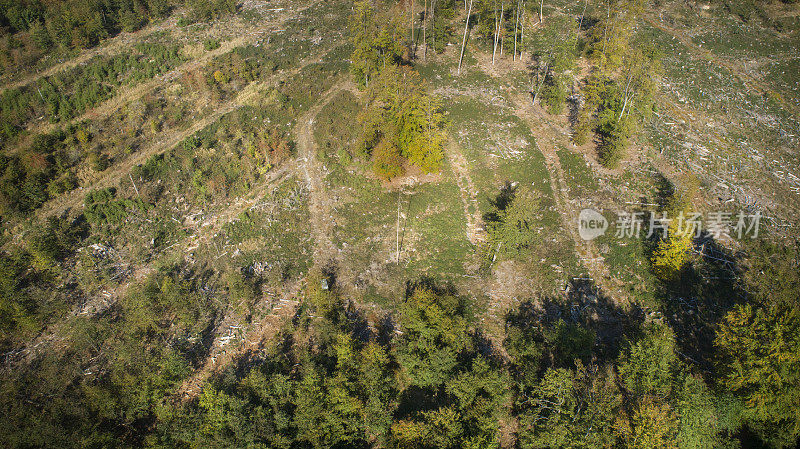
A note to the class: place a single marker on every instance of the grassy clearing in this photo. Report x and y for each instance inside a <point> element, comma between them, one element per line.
<point>432,232</point>
<point>438,244</point>
<point>500,148</point>
<point>273,238</point>
<point>577,174</point>
<point>735,40</point>
<point>785,77</point>
<point>626,259</point>
<point>334,131</point>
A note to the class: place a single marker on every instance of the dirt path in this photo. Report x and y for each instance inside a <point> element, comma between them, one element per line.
<point>131,93</point>
<point>112,175</point>
<point>734,66</point>
<point>548,139</point>
<point>325,250</point>
<point>310,168</point>
<point>168,140</point>
<point>476,232</point>
<point>110,47</point>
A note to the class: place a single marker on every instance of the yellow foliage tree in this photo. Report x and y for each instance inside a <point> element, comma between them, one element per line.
<point>654,426</point>
<point>672,252</point>
<point>220,77</point>
<point>671,255</point>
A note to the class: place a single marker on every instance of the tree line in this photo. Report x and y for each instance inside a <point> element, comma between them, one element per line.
<point>401,124</point>
<point>577,371</point>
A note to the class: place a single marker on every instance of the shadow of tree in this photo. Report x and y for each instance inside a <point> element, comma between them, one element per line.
<point>697,300</point>
<point>586,324</point>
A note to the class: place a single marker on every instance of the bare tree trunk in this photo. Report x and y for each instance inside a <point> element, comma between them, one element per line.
<point>541,8</point>
<point>605,33</point>
<point>500,31</point>
<point>580,23</point>
<point>424,32</point>
<point>516,26</point>
<point>413,49</point>
<point>433,25</point>
<point>464,41</point>
<point>625,102</point>
<point>522,30</point>
<point>496,32</point>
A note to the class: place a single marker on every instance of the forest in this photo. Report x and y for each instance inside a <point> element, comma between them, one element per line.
<point>355,224</point>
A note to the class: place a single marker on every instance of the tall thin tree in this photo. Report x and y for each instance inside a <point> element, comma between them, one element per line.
<point>464,41</point>
<point>541,8</point>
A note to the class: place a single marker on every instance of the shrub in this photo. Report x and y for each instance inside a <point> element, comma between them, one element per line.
<point>102,208</point>
<point>387,161</point>
<point>211,44</point>
<point>554,94</point>
<point>191,142</point>
<point>220,77</point>
<point>99,161</point>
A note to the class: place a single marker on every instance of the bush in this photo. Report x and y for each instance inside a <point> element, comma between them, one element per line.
<point>211,44</point>
<point>103,209</point>
<point>554,94</point>
<point>99,161</point>
<point>202,10</point>
<point>614,133</point>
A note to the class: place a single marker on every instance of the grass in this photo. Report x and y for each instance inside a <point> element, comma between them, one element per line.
<point>435,218</point>
<point>578,174</point>
<point>626,260</point>
<point>783,75</point>
<point>274,236</point>
<point>736,40</point>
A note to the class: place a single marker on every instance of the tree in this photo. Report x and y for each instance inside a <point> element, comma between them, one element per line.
<point>654,425</point>
<point>375,46</point>
<point>464,40</point>
<point>649,365</point>
<point>671,255</point>
<point>672,251</point>
<point>760,358</point>
<point>570,408</point>
<point>702,416</point>
<point>434,333</point>
<point>554,53</point>
<point>609,39</point>
<point>513,223</point>
<point>402,123</point>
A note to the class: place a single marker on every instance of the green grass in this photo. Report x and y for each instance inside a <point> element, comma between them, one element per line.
<point>627,262</point>
<point>785,77</point>
<point>436,216</point>
<point>578,174</point>
<point>733,39</point>
<point>277,239</point>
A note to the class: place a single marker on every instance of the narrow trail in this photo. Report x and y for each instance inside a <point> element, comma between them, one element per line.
<point>476,232</point>
<point>111,176</point>
<point>731,65</point>
<point>110,47</point>
<point>324,250</point>
<point>131,93</point>
<point>105,299</point>
<point>117,171</point>
<point>320,203</point>
<point>548,139</point>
